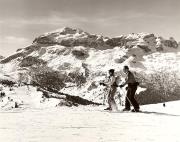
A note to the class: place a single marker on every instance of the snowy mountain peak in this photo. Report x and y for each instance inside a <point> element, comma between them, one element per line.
<point>138,35</point>
<point>66,31</point>
<point>79,44</point>
<point>70,37</point>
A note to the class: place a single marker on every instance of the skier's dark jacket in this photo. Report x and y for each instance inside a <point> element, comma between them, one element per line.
<point>130,80</point>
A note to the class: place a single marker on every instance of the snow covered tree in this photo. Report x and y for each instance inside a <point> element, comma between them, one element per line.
<point>165,82</point>
<point>51,79</point>
<point>161,83</point>
<point>47,78</point>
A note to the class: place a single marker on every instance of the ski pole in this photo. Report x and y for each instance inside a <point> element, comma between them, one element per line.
<point>128,99</point>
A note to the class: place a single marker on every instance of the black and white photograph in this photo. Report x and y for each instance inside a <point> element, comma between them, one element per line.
<point>89,70</point>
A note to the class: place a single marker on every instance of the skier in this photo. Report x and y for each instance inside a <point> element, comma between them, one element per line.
<point>112,85</point>
<point>131,90</point>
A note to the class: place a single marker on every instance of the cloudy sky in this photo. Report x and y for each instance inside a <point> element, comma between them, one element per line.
<point>23,20</point>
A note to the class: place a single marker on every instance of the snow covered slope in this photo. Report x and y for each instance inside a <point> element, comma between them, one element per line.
<point>73,51</point>
<point>91,124</point>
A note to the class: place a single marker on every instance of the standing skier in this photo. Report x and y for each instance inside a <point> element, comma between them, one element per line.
<point>131,90</point>
<point>112,85</point>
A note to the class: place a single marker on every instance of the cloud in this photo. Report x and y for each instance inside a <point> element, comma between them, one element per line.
<point>52,20</point>
<point>57,19</point>
<point>12,39</point>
